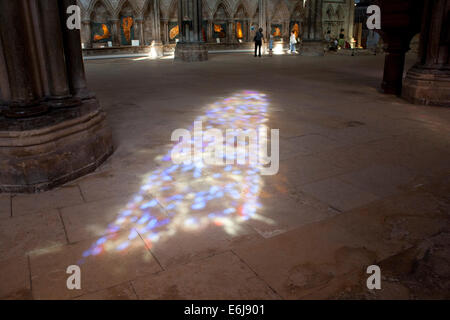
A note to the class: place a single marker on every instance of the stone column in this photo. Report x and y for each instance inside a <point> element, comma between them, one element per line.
<point>74,59</point>
<point>318,32</point>
<point>157,46</point>
<point>140,24</point>
<point>157,21</point>
<point>21,61</point>
<point>165,31</point>
<point>209,32</point>
<point>44,144</point>
<point>58,85</point>
<point>231,35</point>
<point>428,82</point>
<point>262,19</point>
<point>351,19</point>
<point>313,42</point>
<point>191,46</point>
<point>86,29</point>
<point>395,47</point>
<point>400,21</point>
<point>5,93</point>
<point>115,32</point>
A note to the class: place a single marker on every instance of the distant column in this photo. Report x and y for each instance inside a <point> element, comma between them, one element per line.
<point>428,82</point>
<point>157,21</point>
<point>262,21</point>
<point>191,46</point>
<point>165,31</point>
<point>116,32</point>
<point>86,29</point>
<point>140,23</point>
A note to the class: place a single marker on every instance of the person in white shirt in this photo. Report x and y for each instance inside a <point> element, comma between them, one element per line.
<point>293,42</point>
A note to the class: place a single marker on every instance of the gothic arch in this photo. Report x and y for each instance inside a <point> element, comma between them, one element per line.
<point>298,12</point>
<point>223,5</point>
<point>280,12</point>
<point>94,4</point>
<point>172,14</point>
<point>340,15</point>
<point>242,5</point>
<point>330,12</point>
<point>241,9</point>
<point>122,4</point>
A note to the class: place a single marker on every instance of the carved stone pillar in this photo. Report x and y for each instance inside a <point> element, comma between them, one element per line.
<point>44,144</point>
<point>209,34</point>
<point>231,34</point>
<point>140,24</point>
<point>157,49</point>
<point>313,42</point>
<point>428,82</point>
<point>53,47</point>
<point>86,30</point>
<point>157,21</point>
<point>400,21</point>
<point>191,46</point>
<point>165,31</point>
<point>262,19</point>
<point>115,32</point>
<point>19,46</point>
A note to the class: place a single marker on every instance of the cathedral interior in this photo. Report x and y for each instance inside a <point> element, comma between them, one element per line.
<point>94,95</point>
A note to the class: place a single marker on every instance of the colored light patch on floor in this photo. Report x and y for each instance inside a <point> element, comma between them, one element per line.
<point>194,196</point>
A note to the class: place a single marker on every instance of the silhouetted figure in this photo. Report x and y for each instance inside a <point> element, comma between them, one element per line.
<point>258,41</point>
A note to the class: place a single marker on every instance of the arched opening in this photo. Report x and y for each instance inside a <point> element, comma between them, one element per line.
<point>297,20</point>
<point>278,22</point>
<point>173,28</point>
<point>127,25</point>
<point>241,21</point>
<point>220,23</point>
<point>101,27</point>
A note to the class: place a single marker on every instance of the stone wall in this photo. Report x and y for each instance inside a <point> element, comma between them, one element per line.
<point>233,21</point>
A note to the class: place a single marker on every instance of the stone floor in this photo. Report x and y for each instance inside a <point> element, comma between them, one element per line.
<point>364,179</point>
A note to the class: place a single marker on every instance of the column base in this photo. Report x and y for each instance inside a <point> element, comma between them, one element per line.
<point>38,154</point>
<point>312,48</point>
<point>156,49</point>
<point>191,52</point>
<point>427,86</point>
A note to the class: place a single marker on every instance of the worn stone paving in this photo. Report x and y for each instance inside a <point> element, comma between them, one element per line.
<point>364,179</point>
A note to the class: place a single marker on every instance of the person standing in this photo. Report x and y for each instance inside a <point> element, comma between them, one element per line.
<point>293,42</point>
<point>341,41</point>
<point>271,45</point>
<point>258,41</point>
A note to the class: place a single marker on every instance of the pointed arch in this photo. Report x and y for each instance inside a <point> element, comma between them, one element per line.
<point>241,6</point>
<point>122,4</point>
<point>280,11</point>
<point>95,3</point>
<point>225,6</point>
<point>172,13</point>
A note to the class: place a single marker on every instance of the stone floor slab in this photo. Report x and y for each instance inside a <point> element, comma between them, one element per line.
<point>15,279</point>
<point>93,219</point>
<point>5,206</point>
<point>59,198</point>
<point>120,292</point>
<point>380,180</point>
<point>24,234</point>
<point>222,276</point>
<point>338,194</point>
<point>103,265</point>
